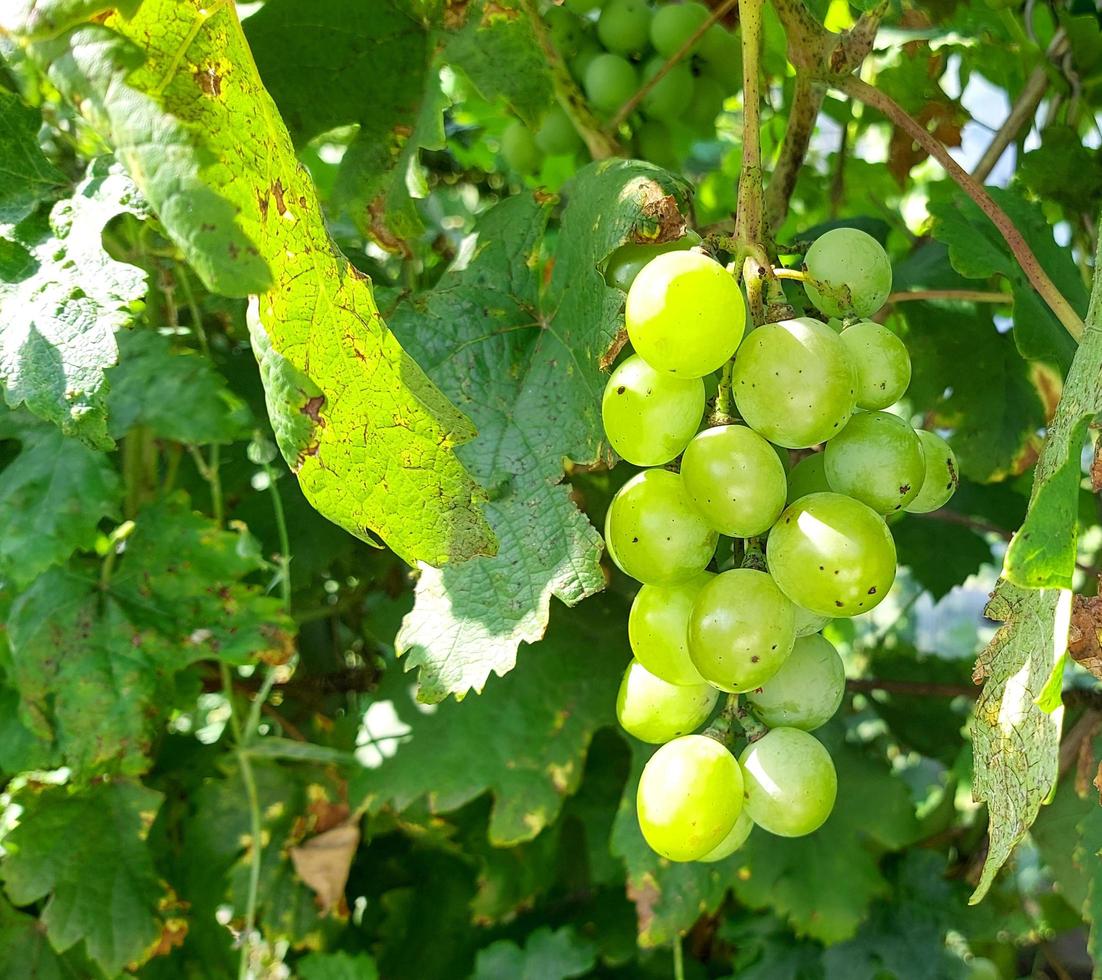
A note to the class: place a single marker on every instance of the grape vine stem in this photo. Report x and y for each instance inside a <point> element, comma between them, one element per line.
<point>1038,278</point>
<point>959,295</point>
<point>614,124</point>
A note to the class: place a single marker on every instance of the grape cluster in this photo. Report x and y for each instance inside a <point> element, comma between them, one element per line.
<point>611,48</point>
<point>754,630</point>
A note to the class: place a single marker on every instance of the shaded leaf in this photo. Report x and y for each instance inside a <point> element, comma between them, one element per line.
<point>336,966</point>
<point>25,951</point>
<point>526,366</point>
<point>62,298</point>
<point>940,555</point>
<point>546,955</point>
<point>26,176</point>
<point>99,884</point>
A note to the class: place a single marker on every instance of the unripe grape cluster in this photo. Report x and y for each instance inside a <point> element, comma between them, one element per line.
<point>612,47</point>
<point>815,539</point>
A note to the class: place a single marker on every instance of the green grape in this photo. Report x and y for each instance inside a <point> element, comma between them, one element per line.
<point>656,711</point>
<point>807,690</point>
<point>882,363</point>
<point>583,6</point>
<point>519,148</point>
<point>649,415</point>
<point>658,629</point>
<point>674,24</point>
<point>736,480</point>
<point>720,56</point>
<point>940,479</point>
<point>557,135</point>
<point>847,258</point>
<point>655,533</point>
<point>741,629</point>
<point>670,96</point>
<point>733,841</point>
<point>580,63</point>
<point>790,782</point>
<point>609,82</point>
<point>685,314</point>
<point>832,555</point>
<point>877,459</point>
<point>623,265</point>
<point>689,797</point>
<point>708,99</point>
<point>808,476</point>
<point>654,143</point>
<point>567,30</point>
<point>794,383</point>
<point>808,622</point>
<point>624,27</point>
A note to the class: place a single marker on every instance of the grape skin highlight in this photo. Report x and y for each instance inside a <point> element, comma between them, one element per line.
<point>655,711</point>
<point>790,781</point>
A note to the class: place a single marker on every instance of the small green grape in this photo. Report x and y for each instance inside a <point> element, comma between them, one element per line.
<point>720,56</point>
<point>832,555</point>
<point>623,265</point>
<point>654,143</point>
<point>733,841</point>
<point>846,258</point>
<point>736,480</point>
<point>808,476</point>
<point>557,135</point>
<point>689,797</point>
<point>741,629</point>
<point>794,383</point>
<point>882,363</point>
<point>655,711</point>
<point>708,99</point>
<point>658,629</point>
<point>940,479</point>
<point>650,416</point>
<point>685,314</point>
<point>808,622</point>
<point>519,149</point>
<point>790,782</point>
<point>567,30</point>
<point>609,82</point>
<point>624,26</point>
<point>654,532</point>
<point>581,7</point>
<point>807,690</point>
<point>877,459</point>
<point>674,24</point>
<point>670,96</point>
<point>580,63</point>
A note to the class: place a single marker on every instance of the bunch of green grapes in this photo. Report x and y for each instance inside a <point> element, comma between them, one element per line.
<point>612,47</point>
<point>697,628</point>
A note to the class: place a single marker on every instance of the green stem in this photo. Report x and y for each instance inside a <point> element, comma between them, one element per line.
<point>678,959</point>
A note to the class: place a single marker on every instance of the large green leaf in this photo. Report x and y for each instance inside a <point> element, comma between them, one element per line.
<point>85,854</point>
<point>175,91</point>
<point>526,365</point>
<point>53,496</point>
<point>26,176</point>
<point>524,739</point>
<point>62,298</point>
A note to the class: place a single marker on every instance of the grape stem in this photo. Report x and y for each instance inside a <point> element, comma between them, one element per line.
<point>601,145</point>
<point>752,555</point>
<point>614,124</point>
<point>735,715</point>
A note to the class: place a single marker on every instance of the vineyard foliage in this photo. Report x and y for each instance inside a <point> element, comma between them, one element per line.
<point>310,643</point>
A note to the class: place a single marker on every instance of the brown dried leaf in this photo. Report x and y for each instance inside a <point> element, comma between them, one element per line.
<point>1085,633</point>
<point>1096,469</point>
<point>323,863</point>
<point>944,120</point>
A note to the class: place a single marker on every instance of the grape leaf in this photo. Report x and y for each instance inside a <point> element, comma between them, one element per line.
<point>336,966</point>
<point>26,177</point>
<point>43,18</point>
<point>940,555</point>
<point>978,251</point>
<point>546,955</point>
<point>369,436</point>
<point>176,395</point>
<point>53,496</point>
<point>1062,169</point>
<point>822,884</point>
<point>975,382</point>
<point>527,368</point>
<point>24,949</point>
<point>100,884</point>
<point>524,738</point>
<point>498,52</point>
<point>1016,743</point>
<point>94,668</point>
<point>62,297</point>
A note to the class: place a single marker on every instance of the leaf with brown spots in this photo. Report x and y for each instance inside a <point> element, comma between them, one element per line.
<point>1085,634</point>
<point>220,170</point>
